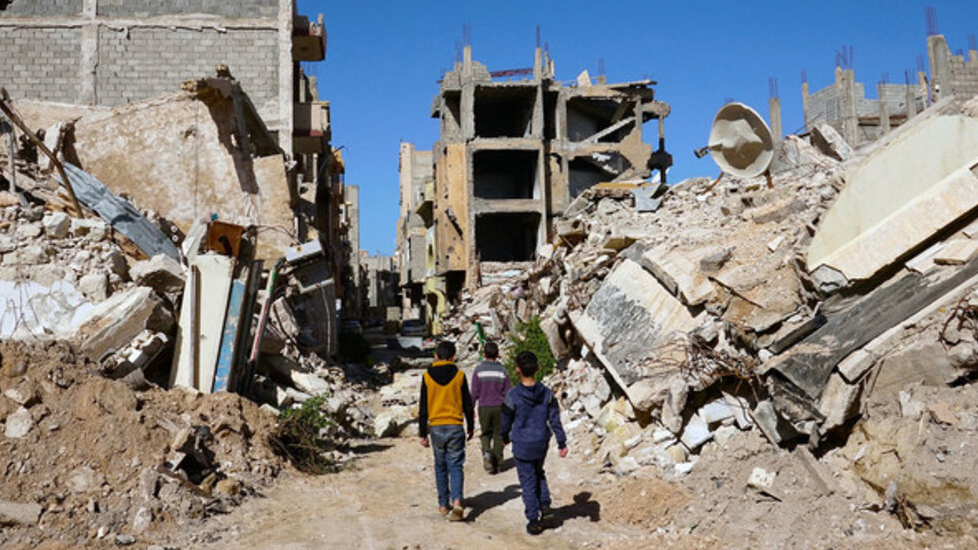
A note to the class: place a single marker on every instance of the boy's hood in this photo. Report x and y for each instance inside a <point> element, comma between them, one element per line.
<point>532,395</point>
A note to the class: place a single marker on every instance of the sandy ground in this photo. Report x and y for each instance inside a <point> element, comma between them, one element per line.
<point>388,501</point>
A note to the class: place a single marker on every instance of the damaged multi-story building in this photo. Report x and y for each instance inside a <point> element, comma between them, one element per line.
<point>512,155</point>
<point>195,110</point>
<point>843,105</point>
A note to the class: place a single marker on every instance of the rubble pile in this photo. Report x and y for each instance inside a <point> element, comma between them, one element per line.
<point>682,322</point>
<point>87,458</point>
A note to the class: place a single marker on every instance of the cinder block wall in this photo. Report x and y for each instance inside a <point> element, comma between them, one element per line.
<point>41,63</point>
<point>112,52</point>
<point>131,67</point>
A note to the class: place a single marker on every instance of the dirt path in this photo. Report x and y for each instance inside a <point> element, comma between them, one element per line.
<point>388,502</point>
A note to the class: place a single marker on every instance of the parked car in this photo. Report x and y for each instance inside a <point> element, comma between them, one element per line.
<point>413,327</point>
<point>351,325</point>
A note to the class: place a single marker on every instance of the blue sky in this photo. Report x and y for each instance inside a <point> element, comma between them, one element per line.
<point>384,57</point>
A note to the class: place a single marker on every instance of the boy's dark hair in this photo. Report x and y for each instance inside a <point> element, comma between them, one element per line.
<point>491,350</point>
<point>445,350</point>
<point>527,362</point>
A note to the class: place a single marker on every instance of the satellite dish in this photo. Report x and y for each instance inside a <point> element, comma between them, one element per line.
<point>740,141</point>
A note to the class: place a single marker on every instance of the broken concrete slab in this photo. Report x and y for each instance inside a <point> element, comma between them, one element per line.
<point>696,433</point>
<point>629,315</point>
<point>675,271</point>
<point>195,360</point>
<point>830,142</point>
<point>161,273</point>
<point>956,252</point>
<point>807,366</point>
<point>114,323</point>
<point>915,181</point>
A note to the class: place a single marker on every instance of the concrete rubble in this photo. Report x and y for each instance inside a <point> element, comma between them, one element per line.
<point>727,309</point>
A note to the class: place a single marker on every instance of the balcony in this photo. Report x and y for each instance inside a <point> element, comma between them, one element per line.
<point>311,132</point>
<point>308,39</point>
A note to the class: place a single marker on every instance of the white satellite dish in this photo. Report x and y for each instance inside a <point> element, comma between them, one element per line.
<point>740,141</point>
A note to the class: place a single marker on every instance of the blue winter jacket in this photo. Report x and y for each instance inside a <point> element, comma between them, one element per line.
<point>529,415</point>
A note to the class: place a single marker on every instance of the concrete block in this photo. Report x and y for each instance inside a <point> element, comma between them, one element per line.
<point>715,412</point>
<point>19,514</point>
<point>161,273</point>
<point>696,433</point>
<point>95,286</point>
<point>56,225</point>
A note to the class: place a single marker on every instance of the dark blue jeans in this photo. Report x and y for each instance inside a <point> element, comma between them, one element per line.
<point>448,443</point>
<point>533,485</point>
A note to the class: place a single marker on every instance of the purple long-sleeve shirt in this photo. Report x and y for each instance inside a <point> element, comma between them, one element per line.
<point>490,382</point>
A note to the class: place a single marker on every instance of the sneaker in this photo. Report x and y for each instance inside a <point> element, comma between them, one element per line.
<point>456,514</point>
<point>488,462</point>
<point>534,528</point>
<point>546,512</point>
<point>443,510</point>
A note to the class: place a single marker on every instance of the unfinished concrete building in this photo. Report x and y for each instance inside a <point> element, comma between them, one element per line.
<point>844,105</point>
<point>513,153</point>
<point>416,173</point>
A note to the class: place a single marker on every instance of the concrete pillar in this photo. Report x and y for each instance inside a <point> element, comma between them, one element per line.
<point>804,106</point>
<point>774,106</point>
<point>911,101</point>
<point>938,55</point>
<point>884,110</point>
<point>846,88</point>
<point>286,68</point>
<point>88,68</point>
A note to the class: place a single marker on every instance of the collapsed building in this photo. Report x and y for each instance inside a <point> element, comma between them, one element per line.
<point>835,314</point>
<point>513,154</point>
<point>249,145</point>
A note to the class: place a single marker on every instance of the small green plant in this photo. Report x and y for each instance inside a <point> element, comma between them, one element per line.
<point>530,337</point>
<point>297,437</point>
<point>354,348</point>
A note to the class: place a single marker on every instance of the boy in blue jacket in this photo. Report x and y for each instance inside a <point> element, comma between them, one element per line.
<point>529,415</point>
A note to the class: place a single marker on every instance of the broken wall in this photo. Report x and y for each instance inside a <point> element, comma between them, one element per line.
<point>177,156</point>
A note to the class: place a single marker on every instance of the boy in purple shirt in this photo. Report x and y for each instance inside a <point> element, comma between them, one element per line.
<point>490,382</point>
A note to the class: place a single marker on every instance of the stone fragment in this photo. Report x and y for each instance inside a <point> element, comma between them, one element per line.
<point>839,401</point>
<point>761,479</point>
<point>24,393</point>
<point>713,261</point>
<point>696,433</point>
<point>829,142</point>
<point>117,321</point>
<point>19,423</point>
<point>740,408</point>
<point>29,231</point>
<point>28,255</point>
<point>17,513</point>
<point>142,520</point>
<point>94,285</point>
<point>56,225</point>
<point>95,229</point>
<point>125,540</point>
<point>161,273</point>
<point>767,420</point>
<point>117,263</point>
<point>715,412</point>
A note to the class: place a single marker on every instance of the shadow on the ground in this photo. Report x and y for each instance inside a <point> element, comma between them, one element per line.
<point>367,448</point>
<point>508,463</point>
<point>583,507</point>
<point>490,499</point>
